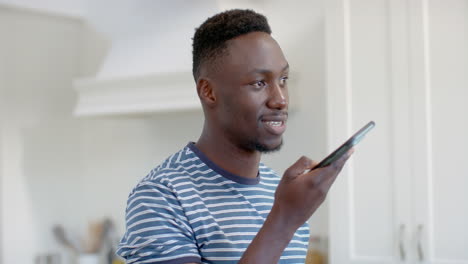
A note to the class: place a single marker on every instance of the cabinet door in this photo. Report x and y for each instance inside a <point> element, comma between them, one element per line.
<point>440,130</point>
<point>367,79</point>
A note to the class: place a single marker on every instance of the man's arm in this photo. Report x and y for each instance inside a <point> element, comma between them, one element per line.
<point>157,229</point>
<point>297,197</point>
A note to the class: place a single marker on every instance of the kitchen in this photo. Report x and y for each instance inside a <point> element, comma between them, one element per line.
<point>87,109</point>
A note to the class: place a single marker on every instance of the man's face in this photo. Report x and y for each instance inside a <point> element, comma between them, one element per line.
<point>252,92</point>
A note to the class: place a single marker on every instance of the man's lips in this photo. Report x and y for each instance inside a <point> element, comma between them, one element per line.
<point>275,127</point>
<point>275,124</point>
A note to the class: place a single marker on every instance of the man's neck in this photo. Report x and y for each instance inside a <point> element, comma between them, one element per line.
<point>228,156</point>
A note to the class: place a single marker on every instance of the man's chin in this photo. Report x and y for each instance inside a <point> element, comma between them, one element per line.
<point>264,148</point>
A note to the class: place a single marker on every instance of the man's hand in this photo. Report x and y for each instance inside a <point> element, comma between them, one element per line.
<point>299,194</point>
<point>297,197</point>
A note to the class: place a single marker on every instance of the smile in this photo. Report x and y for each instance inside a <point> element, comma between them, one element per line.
<point>274,127</point>
<point>274,123</point>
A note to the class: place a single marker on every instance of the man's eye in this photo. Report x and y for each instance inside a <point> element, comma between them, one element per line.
<point>259,84</point>
<point>284,79</point>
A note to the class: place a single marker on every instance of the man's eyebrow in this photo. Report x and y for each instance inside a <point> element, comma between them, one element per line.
<point>263,71</point>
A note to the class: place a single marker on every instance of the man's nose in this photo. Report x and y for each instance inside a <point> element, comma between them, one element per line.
<point>278,97</point>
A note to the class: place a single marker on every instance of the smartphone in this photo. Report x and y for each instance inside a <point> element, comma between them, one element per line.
<point>351,142</point>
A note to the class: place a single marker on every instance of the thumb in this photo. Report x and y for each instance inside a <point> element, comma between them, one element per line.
<point>299,167</point>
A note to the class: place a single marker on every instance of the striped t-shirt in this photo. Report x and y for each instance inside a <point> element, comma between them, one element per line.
<point>190,210</point>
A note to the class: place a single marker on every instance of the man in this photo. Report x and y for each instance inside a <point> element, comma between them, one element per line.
<point>213,201</point>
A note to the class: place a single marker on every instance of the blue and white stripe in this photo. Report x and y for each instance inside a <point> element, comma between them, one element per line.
<point>190,210</point>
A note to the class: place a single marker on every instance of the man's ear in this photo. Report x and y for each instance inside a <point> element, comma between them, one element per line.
<point>206,92</point>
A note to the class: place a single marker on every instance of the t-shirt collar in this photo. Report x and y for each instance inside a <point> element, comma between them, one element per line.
<point>221,171</point>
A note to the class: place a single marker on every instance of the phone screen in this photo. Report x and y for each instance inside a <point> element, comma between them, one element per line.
<point>351,142</point>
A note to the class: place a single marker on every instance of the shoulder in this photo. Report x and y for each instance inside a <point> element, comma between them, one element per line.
<point>163,175</point>
<point>269,177</point>
<point>174,170</point>
<point>267,172</point>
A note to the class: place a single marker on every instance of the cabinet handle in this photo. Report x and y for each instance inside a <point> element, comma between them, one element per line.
<point>401,244</point>
<point>420,249</point>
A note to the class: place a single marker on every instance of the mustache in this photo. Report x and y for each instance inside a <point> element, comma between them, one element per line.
<point>280,114</point>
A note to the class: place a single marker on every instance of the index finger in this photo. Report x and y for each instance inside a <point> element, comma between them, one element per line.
<point>331,171</point>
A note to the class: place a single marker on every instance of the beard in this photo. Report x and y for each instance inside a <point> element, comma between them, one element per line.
<point>262,148</point>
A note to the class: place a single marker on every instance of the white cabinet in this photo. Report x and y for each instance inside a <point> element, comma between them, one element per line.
<point>403,198</point>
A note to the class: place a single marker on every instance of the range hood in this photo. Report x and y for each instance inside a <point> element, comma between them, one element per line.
<point>158,92</point>
<point>148,66</point>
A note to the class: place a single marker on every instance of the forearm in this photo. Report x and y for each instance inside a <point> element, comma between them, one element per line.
<point>270,242</point>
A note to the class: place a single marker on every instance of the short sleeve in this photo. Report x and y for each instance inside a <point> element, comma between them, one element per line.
<point>157,228</point>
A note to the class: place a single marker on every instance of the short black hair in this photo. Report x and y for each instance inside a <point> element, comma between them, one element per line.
<point>210,38</point>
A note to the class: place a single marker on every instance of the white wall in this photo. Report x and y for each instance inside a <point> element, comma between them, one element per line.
<point>38,138</point>
<point>59,169</point>
<point>143,31</point>
<point>75,8</point>
<point>2,77</point>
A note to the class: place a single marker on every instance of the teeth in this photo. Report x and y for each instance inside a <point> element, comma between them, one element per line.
<point>274,123</point>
